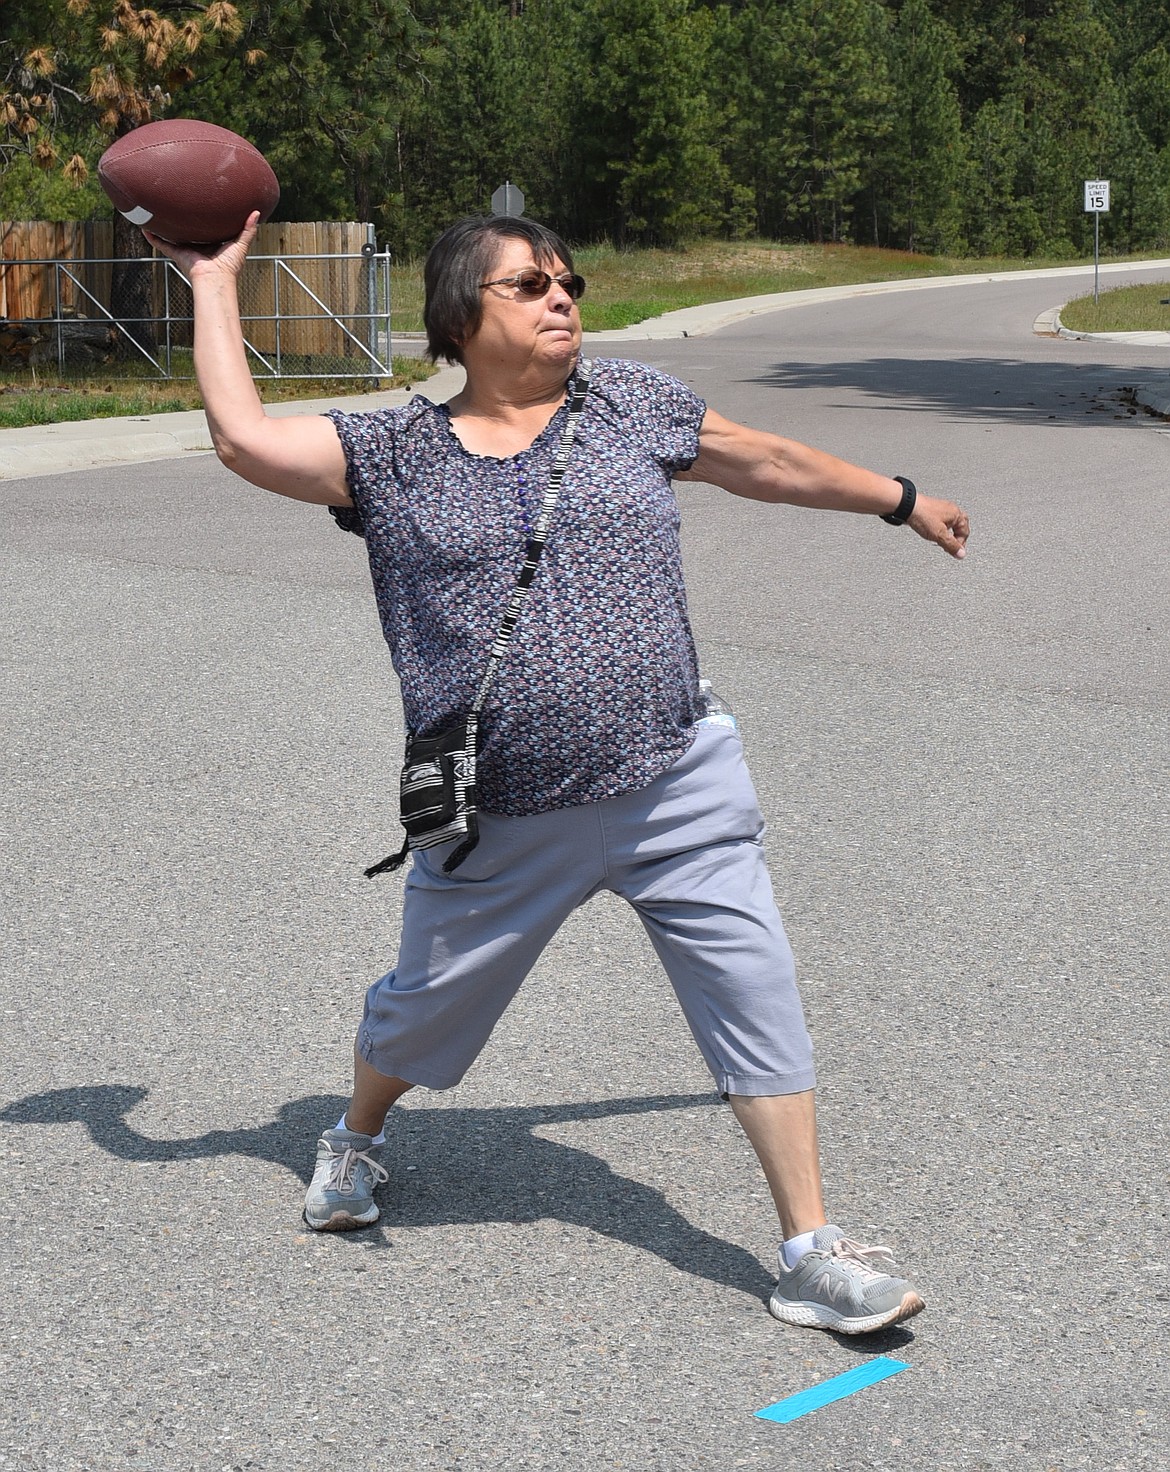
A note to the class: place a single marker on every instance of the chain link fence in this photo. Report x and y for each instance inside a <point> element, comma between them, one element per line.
<point>314,314</point>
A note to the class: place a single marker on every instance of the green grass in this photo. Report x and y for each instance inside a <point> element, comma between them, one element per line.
<point>1125,309</point>
<point>18,410</point>
<point>28,397</point>
<point>626,287</point>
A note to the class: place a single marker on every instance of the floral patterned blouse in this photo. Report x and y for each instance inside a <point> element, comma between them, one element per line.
<point>598,692</point>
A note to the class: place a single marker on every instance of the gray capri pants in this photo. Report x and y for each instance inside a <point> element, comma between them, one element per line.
<point>687,854</point>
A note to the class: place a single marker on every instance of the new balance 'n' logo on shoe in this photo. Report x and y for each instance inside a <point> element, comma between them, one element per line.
<point>843,1285</point>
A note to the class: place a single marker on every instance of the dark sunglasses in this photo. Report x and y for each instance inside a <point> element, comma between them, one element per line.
<point>533,283</point>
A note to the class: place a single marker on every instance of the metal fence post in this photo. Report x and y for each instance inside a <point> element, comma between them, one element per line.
<point>57,312</point>
<point>371,302</point>
<point>276,308</point>
<point>385,258</point>
<point>167,310</point>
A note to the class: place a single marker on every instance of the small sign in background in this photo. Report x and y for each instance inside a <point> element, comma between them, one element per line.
<point>1096,196</point>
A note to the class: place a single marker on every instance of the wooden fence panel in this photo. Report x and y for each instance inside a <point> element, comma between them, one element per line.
<point>28,291</point>
<point>340,284</point>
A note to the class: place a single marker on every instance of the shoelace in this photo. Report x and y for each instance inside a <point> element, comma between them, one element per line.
<point>340,1177</point>
<point>873,1261</point>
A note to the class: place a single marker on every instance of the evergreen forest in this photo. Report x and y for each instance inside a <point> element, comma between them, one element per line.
<point>956,126</point>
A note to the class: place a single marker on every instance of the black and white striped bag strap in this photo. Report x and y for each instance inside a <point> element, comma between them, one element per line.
<point>539,536</point>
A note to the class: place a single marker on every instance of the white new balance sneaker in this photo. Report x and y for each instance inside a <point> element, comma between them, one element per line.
<point>842,1285</point>
<point>341,1193</point>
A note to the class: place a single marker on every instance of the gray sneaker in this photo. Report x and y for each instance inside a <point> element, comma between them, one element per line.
<point>341,1193</point>
<point>842,1285</point>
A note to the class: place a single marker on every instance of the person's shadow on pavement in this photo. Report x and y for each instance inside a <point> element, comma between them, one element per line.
<point>446,1166</point>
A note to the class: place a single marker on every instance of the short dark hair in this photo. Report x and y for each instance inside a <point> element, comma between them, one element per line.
<point>456,266</point>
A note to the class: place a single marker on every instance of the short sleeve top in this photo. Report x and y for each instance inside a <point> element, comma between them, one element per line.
<point>598,692</point>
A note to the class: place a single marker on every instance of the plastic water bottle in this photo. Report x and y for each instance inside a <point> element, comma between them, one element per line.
<point>716,711</point>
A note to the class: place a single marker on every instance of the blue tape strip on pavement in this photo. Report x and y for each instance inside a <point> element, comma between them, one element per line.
<point>792,1407</point>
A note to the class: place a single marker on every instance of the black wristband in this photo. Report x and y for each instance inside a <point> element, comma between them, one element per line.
<point>906,505</point>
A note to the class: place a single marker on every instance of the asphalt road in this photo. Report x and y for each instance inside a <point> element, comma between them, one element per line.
<point>964,771</point>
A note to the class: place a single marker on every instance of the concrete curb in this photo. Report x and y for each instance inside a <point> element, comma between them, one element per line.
<point>151,438</point>
<point>1048,324</point>
<point>1154,396</point>
<point>1135,339</point>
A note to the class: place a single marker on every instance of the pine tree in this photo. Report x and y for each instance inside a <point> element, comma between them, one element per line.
<point>471,128</point>
<point>816,97</point>
<point>1053,120</point>
<point>644,127</point>
<point>123,61</point>
<point>320,90</point>
<point>920,169</point>
<point>998,215</point>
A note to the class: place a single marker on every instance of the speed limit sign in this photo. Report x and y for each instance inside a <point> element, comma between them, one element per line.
<point>1096,204</point>
<point>1096,196</point>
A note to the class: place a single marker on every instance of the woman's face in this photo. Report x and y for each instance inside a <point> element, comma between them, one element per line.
<point>517,332</point>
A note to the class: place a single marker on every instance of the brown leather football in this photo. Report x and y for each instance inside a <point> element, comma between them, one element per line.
<point>192,183</point>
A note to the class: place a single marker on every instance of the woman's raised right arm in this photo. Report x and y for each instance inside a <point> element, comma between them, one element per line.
<point>299,456</point>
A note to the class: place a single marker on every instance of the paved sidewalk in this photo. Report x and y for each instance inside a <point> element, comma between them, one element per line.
<point>56,448</point>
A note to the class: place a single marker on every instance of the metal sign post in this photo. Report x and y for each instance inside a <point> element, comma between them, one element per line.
<point>1096,204</point>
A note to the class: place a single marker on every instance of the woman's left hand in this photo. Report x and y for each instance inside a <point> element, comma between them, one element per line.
<point>942,522</point>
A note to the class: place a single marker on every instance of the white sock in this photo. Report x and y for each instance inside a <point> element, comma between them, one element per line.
<point>379,1138</point>
<point>794,1248</point>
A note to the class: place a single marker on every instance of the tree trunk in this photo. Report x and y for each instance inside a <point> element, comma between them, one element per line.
<point>362,194</point>
<point>131,289</point>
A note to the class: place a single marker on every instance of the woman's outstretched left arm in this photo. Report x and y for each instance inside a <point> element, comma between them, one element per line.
<point>766,467</point>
